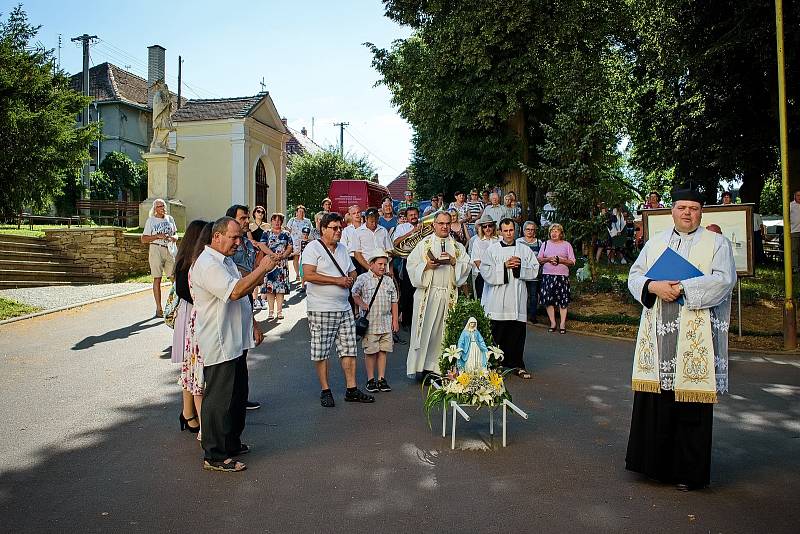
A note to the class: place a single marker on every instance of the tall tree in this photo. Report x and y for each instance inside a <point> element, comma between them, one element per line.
<point>309,176</point>
<point>125,175</point>
<point>705,103</point>
<point>41,145</point>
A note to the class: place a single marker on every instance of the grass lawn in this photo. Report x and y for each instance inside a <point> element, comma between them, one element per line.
<point>38,229</point>
<point>606,307</point>
<point>11,308</point>
<point>144,278</point>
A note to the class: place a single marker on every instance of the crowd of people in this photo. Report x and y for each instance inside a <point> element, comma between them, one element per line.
<point>362,281</point>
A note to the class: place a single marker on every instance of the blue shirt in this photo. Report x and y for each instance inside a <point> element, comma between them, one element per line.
<point>245,255</point>
<point>388,224</point>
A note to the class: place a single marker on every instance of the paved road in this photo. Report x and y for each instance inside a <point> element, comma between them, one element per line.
<point>90,442</point>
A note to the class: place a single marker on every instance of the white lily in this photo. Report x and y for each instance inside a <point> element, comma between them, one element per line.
<point>452,353</point>
<point>496,352</point>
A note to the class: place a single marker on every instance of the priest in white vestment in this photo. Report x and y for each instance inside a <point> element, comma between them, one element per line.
<point>681,354</point>
<point>436,284</point>
<point>505,267</point>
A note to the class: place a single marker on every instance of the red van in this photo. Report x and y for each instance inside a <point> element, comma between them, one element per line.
<point>345,193</point>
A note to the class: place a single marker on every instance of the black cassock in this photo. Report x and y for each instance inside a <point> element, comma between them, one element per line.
<point>670,441</point>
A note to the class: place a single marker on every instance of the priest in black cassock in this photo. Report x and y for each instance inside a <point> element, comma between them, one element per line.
<point>681,355</point>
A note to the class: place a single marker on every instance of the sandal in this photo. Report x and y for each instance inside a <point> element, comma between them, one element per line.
<point>523,373</point>
<point>562,330</point>
<point>358,396</point>
<point>227,466</point>
<point>551,329</point>
<point>279,316</point>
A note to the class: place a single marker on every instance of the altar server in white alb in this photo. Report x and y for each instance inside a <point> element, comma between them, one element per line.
<point>437,267</point>
<point>506,266</point>
<point>681,356</point>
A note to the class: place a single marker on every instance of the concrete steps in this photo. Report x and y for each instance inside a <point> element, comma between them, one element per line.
<point>33,262</point>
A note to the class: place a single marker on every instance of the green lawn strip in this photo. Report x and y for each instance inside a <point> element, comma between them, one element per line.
<point>11,308</point>
<point>136,278</point>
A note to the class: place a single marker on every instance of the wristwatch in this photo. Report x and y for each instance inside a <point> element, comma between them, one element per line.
<point>680,286</point>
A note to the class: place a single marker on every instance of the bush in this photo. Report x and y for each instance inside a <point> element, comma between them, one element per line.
<point>457,319</point>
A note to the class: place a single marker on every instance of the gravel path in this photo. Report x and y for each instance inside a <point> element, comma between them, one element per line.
<point>48,298</point>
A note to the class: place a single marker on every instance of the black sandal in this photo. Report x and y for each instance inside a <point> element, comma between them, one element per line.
<point>227,466</point>
<point>358,396</point>
<point>562,331</point>
<point>551,329</point>
<point>244,449</point>
<point>523,373</point>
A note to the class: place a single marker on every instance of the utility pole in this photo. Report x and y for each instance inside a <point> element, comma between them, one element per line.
<point>341,126</point>
<point>59,51</point>
<point>85,39</point>
<point>312,128</point>
<point>180,62</point>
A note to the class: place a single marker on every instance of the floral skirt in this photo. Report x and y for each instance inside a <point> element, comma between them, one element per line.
<point>277,280</point>
<point>191,378</point>
<point>554,290</point>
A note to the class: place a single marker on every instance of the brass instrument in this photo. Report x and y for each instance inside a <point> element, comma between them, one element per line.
<point>404,247</point>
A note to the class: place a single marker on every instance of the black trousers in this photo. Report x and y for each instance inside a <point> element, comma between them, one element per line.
<point>510,336</point>
<point>479,287</point>
<point>224,407</point>
<point>670,441</point>
<point>406,295</point>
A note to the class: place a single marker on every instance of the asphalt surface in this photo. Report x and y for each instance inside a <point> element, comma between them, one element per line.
<point>89,442</point>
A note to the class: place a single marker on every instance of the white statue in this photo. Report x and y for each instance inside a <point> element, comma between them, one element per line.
<point>162,117</point>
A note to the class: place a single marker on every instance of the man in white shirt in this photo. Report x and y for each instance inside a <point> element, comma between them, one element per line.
<point>329,274</point>
<point>794,220</point>
<point>349,233</point>
<point>225,330</point>
<point>371,236</point>
<point>495,210</point>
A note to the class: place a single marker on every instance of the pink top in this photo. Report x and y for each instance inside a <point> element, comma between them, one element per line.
<point>562,249</point>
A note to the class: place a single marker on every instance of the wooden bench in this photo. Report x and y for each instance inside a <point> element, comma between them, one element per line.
<point>55,219</point>
<point>119,213</point>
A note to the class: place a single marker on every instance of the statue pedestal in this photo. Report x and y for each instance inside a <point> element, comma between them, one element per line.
<point>162,182</point>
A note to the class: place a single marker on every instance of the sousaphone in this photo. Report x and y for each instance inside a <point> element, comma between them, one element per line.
<point>404,247</point>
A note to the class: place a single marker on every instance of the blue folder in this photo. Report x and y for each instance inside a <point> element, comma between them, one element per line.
<point>672,266</point>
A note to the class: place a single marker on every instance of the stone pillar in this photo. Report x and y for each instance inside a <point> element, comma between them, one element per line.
<point>162,182</point>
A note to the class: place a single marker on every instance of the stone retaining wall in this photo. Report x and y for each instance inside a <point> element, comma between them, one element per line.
<point>106,251</point>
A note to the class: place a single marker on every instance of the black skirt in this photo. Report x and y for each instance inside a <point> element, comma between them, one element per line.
<point>670,441</point>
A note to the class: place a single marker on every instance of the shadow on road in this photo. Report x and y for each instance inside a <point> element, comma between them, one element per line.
<point>119,333</point>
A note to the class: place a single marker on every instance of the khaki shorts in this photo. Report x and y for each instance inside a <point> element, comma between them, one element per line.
<point>161,261</point>
<point>374,343</point>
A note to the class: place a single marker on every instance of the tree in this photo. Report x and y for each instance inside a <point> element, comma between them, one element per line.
<point>309,175</point>
<point>124,174</point>
<point>705,100</point>
<point>42,147</point>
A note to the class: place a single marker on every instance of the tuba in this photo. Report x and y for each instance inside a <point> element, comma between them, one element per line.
<point>404,247</point>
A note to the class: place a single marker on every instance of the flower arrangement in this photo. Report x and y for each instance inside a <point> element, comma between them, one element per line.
<point>477,387</point>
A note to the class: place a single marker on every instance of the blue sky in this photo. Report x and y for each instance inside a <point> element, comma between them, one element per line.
<point>309,53</point>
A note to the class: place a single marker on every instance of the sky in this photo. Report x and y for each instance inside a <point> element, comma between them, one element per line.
<point>308,52</point>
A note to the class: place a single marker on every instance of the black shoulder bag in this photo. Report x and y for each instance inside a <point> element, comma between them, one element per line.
<point>349,291</point>
<point>362,323</point>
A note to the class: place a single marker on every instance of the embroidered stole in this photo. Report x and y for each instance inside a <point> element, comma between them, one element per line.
<point>695,380</point>
<point>452,249</point>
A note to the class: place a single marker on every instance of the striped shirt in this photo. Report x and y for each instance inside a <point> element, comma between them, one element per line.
<point>475,208</point>
<point>380,314</point>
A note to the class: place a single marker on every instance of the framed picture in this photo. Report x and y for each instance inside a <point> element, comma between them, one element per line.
<point>735,221</point>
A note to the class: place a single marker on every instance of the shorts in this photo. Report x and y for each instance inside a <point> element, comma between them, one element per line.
<point>329,327</point>
<point>374,343</point>
<point>161,261</point>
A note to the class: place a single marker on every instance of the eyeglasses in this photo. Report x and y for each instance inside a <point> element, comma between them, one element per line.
<point>260,211</point>
<point>336,228</point>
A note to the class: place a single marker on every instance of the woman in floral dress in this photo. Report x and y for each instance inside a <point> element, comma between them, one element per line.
<point>277,243</point>
<point>556,257</point>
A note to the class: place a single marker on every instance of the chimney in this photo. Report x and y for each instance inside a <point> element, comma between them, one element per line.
<point>155,69</point>
<point>304,131</point>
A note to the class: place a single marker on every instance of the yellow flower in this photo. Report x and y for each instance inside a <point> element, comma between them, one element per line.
<point>463,379</point>
<point>495,379</point>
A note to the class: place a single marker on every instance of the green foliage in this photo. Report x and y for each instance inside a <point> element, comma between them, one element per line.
<point>456,321</point>
<point>125,174</point>
<point>11,308</point>
<point>309,176</point>
<point>771,201</point>
<point>72,190</point>
<point>41,145</point>
<point>103,187</point>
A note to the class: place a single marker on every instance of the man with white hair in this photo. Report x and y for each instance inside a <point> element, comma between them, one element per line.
<point>681,356</point>
<point>495,210</point>
<point>159,234</point>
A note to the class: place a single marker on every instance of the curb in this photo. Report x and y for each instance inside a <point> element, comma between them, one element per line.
<point>795,352</point>
<point>77,305</point>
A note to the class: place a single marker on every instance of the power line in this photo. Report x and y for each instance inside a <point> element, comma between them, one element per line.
<point>370,151</point>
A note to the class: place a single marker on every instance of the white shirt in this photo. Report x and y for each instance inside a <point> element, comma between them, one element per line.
<point>497,213</point>
<point>349,237</point>
<point>224,326</point>
<point>794,216</point>
<point>154,226</point>
<point>367,240</point>
<point>477,249</point>
<point>321,297</point>
<point>402,229</point>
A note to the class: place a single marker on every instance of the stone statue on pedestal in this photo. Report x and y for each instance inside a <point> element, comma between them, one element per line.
<point>162,118</point>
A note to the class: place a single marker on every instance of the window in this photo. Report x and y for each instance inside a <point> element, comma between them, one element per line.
<point>262,187</point>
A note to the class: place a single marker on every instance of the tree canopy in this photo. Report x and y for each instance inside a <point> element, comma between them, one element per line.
<point>43,148</point>
<point>309,175</point>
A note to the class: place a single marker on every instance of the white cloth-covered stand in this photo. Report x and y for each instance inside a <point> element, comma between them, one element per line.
<point>458,410</point>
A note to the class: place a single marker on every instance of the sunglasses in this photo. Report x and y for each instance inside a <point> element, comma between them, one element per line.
<point>260,211</point>
<point>336,228</point>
